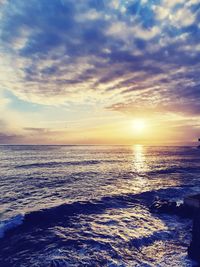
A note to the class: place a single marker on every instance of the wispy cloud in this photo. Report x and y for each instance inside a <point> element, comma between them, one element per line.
<point>122,54</point>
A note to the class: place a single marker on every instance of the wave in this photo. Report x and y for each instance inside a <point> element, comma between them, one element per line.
<point>58,163</point>
<point>10,224</point>
<point>65,163</point>
<point>148,240</point>
<point>174,170</point>
<point>60,214</point>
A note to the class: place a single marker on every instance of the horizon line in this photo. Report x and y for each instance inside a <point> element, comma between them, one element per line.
<point>163,145</point>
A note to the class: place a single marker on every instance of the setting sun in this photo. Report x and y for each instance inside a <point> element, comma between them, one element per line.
<point>99,133</point>
<point>138,125</point>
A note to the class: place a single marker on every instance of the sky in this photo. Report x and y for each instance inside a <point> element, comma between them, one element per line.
<point>84,71</point>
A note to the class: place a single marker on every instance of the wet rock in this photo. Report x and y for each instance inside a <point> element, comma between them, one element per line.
<point>164,206</point>
<point>171,207</point>
<point>192,201</point>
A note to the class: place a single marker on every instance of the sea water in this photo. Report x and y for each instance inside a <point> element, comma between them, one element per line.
<point>89,205</point>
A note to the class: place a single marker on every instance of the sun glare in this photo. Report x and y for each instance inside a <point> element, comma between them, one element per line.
<point>138,125</point>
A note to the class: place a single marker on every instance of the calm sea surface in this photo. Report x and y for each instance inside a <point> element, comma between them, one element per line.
<point>88,205</point>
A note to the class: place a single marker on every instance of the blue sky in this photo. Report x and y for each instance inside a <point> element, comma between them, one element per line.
<point>80,71</point>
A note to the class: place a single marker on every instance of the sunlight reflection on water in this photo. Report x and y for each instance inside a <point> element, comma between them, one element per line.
<point>113,187</point>
<point>139,163</point>
<point>139,167</point>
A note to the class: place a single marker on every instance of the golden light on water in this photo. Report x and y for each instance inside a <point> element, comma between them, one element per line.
<point>139,163</point>
<point>139,167</point>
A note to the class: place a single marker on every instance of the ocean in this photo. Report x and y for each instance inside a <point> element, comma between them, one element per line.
<point>89,205</point>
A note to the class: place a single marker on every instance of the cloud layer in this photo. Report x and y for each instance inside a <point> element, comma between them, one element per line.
<point>128,55</point>
<point>135,51</point>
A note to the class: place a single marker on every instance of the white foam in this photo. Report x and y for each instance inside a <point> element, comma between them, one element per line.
<point>10,223</point>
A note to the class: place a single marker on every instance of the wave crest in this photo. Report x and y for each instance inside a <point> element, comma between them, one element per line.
<point>58,163</point>
<point>10,224</point>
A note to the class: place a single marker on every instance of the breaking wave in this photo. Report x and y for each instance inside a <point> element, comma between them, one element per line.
<point>53,215</point>
<point>11,223</point>
<point>56,163</point>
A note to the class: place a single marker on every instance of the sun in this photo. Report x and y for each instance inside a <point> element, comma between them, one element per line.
<point>138,125</point>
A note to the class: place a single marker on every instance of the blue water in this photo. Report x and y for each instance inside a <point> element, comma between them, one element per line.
<point>89,205</point>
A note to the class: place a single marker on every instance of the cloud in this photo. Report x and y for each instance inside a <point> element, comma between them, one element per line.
<point>124,54</point>
<point>6,134</point>
<point>9,138</point>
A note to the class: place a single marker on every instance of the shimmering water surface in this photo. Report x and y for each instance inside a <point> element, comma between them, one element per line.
<point>88,205</point>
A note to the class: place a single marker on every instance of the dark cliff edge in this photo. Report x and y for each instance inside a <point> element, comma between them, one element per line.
<point>194,248</point>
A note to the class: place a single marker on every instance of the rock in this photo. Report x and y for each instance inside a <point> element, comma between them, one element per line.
<point>192,201</point>
<point>164,206</point>
<point>171,207</point>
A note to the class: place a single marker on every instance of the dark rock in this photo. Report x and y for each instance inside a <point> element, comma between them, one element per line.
<point>171,207</point>
<point>163,206</point>
<point>192,201</point>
